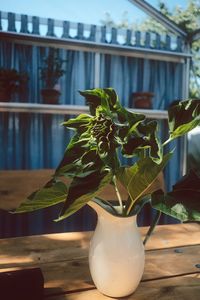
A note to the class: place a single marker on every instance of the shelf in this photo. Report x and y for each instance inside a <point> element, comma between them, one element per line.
<point>69,109</point>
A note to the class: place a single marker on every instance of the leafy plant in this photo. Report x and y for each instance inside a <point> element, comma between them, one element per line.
<point>183,202</point>
<point>11,80</point>
<point>52,70</point>
<point>92,159</point>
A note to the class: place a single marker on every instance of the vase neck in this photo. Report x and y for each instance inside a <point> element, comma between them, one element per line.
<point>107,217</point>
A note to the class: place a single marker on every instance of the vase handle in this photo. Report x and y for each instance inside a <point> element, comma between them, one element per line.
<point>152,226</point>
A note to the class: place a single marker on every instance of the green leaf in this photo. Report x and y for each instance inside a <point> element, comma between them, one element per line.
<point>134,119</point>
<point>183,117</point>
<point>183,202</point>
<point>143,137</point>
<point>71,161</point>
<point>93,98</point>
<point>83,190</point>
<point>124,174</point>
<point>144,173</point>
<point>82,120</point>
<point>113,98</point>
<point>149,129</point>
<point>47,196</point>
<point>106,205</point>
<point>136,208</point>
<point>133,143</point>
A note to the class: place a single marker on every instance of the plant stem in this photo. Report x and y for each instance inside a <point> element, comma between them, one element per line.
<point>152,227</point>
<point>118,194</point>
<point>166,142</point>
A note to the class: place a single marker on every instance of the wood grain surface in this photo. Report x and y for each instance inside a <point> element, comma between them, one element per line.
<point>172,257</point>
<point>175,288</point>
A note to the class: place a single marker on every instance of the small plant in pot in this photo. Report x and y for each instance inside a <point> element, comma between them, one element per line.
<point>11,82</point>
<point>92,161</point>
<point>142,100</point>
<point>50,73</point>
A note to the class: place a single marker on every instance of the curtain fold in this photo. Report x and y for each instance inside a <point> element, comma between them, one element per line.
<point>34,141</point>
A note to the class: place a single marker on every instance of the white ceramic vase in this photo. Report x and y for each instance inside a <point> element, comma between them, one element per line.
<point>116,254</point>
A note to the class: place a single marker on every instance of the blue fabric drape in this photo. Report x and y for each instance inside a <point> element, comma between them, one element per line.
<point>33,141</point>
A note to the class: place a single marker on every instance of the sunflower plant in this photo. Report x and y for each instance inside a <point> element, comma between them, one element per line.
<point>93,159</point>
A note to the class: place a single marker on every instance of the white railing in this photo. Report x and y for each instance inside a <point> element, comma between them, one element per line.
<point>69,109</point>
<point>31,25</point>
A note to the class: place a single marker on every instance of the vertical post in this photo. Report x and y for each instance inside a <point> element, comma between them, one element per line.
<point>24,24</point>
<point>11,22</point>
<point>0,22</point>
<point>128,37</point>
<point>50,27</point>
<point>137,38</point>
<point>36,25</point>
<point>186,80</point>
<point>66,28</point>
<point>97,61</point>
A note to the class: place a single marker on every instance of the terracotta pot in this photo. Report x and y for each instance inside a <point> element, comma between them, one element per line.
<point>142,100</point>
<point>50,96</point>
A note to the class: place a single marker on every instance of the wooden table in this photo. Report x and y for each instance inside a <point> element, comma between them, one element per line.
<point>172,269</point>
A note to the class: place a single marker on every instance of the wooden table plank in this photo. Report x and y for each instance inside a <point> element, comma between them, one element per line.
<point>159,264</point>
<point>32,250</point>
<point>63,257</point>
<point>72,274</point>
<point>167,236</point>
<point>27,251</point>
<point>171,262</point>
<point>178,288</point>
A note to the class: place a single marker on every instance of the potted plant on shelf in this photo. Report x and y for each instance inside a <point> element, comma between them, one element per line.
<point>50,73</point>
<point>142,100</point>
<point>11,81</point>
<point>92,161</point>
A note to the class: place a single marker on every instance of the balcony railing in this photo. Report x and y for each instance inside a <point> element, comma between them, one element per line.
<point>35,27</point>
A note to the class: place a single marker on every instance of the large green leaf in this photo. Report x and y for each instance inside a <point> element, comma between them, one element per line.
<point>141,138</point>
<point>183,117</point>
<point>79,122</point>
<point>144,172</point>
<point>136,208</point>
<point>82,190</point>
<point>113,98</point>
<point>183,202</point>
<point>133,118</point>
<point>71,161</point>
<point>47,196</point>
<point>149,129</point>
<point>93,98</point>
<point>109,207</point>
<point>124,174</point>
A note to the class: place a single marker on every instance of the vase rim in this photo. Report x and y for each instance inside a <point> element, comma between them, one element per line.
<point>100,210</point>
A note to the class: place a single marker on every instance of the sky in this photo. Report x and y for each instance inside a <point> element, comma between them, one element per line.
<point>84,11</point>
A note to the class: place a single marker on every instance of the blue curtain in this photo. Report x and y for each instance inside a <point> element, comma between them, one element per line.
<point>33,141</point>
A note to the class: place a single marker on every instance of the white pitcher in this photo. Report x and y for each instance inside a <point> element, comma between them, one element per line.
<point>116,254</point>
